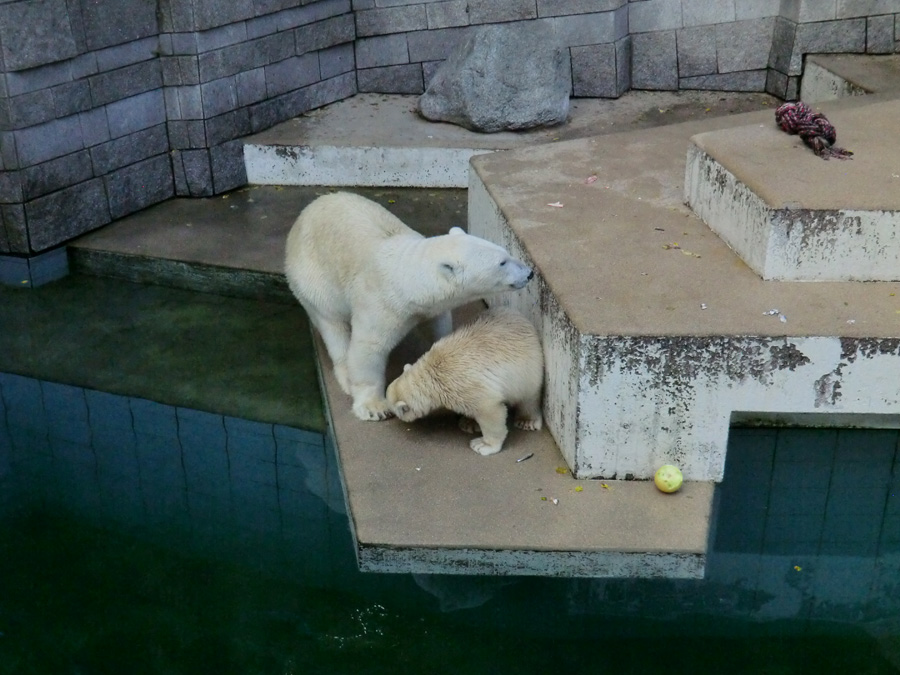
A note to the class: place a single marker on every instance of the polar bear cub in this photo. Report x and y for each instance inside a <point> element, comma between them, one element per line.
<point>366,280</point>
<point>477,371</point>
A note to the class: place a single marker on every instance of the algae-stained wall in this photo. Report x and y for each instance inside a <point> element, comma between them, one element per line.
<point>110,106</point>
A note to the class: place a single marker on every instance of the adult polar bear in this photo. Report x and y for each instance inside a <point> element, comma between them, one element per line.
<point>366,279</point>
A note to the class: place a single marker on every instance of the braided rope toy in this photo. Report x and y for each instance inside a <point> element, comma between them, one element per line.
<point>814,128</point>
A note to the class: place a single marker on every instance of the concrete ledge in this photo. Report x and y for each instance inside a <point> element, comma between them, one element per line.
<point>380,141</point>
<point>794,217</point>
<point>358,166</point>
<point>654,331</point>
<point>567,564</point>
<point>421,501</point>
<point>831,76</point>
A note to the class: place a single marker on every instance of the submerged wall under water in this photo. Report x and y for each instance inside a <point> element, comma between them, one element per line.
<point>807,525</point>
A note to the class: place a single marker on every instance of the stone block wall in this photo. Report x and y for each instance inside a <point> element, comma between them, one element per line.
<point>400,44</point>
<point>616,45</point>
<point>110,106</point>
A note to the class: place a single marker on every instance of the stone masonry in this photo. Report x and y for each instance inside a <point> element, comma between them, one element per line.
<point>110,106</point>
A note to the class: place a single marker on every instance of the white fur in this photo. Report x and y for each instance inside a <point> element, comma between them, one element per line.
<point>477,371</point>
<point>366,279</point>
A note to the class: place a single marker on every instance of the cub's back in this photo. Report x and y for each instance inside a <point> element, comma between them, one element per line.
<point>497,337</point>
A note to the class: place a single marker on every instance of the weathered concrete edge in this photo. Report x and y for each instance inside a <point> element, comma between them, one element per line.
<point>570,564</point>
<point>338,166</point>
<point>791,244</point>
<point>194,276</point>
<point>559,337</point>
<point>676,397</point>
<point>822,84</point>
<point>741,223</point>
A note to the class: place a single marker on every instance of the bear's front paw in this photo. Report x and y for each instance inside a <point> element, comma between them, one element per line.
<point>482,447</point>
<point>469,425</point>
<point>528,424</point>
<point>373,410</point>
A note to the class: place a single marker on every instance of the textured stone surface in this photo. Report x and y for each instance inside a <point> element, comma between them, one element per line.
<point>324,34</point>
<point>747,80</point>
<point>744,45</point>
<point>139,186</point>
<point>65,214</point>
<point>403,79</point>
<point>490,11</point>
<point>623,64</point>
<point>704,12</point>
<point>654,62</point>
<point>654,15</point>
<point>697,51</point>
<point>115,22</point>
<point>56,174</point>
<point>447,14</point>
<point>594,71</point>
<point>827,37</point>
<point>35,32</point>
<point>15,231</point>
<point>391,20</point>
<point>386,50</point>
<point>880,34</point>
<point>490,83</point>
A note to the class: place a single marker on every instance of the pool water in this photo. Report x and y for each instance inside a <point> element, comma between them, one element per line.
<point>137,537</point>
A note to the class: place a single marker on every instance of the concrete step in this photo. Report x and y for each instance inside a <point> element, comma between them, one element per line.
<point>657,336</point>
<point>792,216</point>
<point>379,140</point>
<point>830,76</point>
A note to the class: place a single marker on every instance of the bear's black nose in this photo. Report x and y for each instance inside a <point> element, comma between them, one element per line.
<point>531,275</point>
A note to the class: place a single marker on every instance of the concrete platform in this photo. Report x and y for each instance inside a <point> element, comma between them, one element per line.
<point>792,216</point>
<point>830,76</point>
<point>420,500</point>
<point>379,140</point>
<point>656,333</point>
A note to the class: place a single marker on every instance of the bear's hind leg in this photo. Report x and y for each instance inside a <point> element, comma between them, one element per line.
<point>336,336</point>
<point>492,420</point>
<point>528,415</point>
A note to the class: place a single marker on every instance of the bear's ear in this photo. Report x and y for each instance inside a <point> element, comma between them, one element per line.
<point>448,269</point>
<point>457,230</point>
<point>402,408</point>
<point>407,367</point>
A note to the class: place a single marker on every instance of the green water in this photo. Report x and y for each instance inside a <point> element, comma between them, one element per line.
<point>79,600</point>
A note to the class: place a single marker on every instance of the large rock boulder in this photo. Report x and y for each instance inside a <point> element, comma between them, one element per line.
<point>501,77</point>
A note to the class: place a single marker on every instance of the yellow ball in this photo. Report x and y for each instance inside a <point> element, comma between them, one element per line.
<point>668,478</point>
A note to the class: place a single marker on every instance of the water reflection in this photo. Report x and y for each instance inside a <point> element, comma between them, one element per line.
<point>185,478</point>
<point>806,539</point>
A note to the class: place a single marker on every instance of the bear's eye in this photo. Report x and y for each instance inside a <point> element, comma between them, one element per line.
<point>503,263</point>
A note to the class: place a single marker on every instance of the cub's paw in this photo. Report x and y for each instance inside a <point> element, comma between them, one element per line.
<point>372,410</point>
<point>469,425</point>
<point>482,447</point>
<point>528,424</point>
